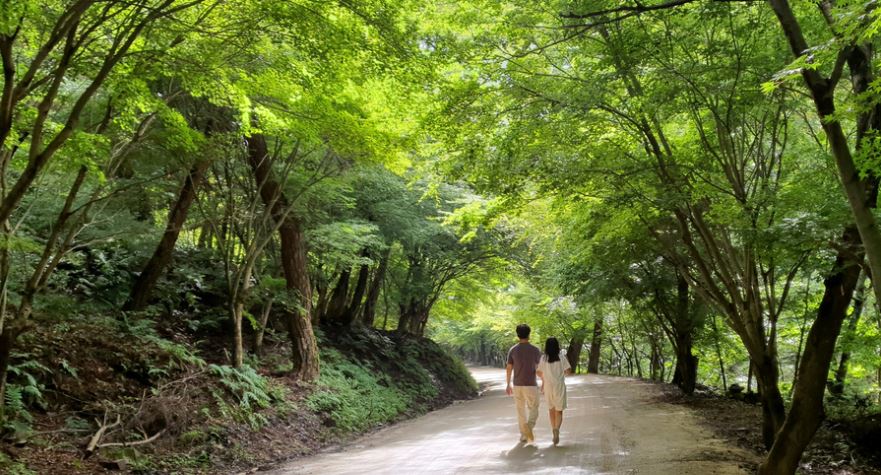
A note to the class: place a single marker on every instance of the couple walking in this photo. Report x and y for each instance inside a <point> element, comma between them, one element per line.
<point>526,362</point>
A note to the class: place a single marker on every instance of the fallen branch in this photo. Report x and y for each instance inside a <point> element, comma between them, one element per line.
<point>102,429</point>
<point>137,442</point>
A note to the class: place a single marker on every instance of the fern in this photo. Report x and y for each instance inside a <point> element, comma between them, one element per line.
<point>252,391</point>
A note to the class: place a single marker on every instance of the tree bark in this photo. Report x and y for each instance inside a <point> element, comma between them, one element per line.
<point>146,281</point>
<point>773,409</point>
<point>685,374</point>
<point>806,413</point>
<point>573,354</point>
<point>261,331</point>
<point>593,361</point>
<point>294,262</point>
<point>369,313</point>
<point>351,313</point>
<point>336,308</point>
<point>719,354</point>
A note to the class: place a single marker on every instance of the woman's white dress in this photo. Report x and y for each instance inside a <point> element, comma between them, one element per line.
<point>554,380</point>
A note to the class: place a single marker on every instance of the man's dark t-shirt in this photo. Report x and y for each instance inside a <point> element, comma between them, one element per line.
<point>525,359</point>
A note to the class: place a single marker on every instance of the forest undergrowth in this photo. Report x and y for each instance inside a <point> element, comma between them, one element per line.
<point>168,402</point>
<point>846,443</point>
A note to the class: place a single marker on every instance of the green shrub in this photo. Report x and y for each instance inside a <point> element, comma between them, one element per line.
<point>354,397</point>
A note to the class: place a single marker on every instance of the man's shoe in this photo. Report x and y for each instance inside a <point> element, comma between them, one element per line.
<point>556,436</point>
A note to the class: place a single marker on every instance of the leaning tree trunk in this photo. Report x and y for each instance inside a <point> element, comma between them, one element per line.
<point>773,409</point>
<point>152,271</point>
<point>859,301</point>
<point>294,262</point>
<point>823,93</point>
<point>807,401</point>
<point>593,361</point>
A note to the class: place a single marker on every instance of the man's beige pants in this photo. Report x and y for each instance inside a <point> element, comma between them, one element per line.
<point>526,397</point>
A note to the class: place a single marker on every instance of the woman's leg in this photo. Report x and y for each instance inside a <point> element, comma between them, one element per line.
<point>552,416</point>
<point>558,419</point>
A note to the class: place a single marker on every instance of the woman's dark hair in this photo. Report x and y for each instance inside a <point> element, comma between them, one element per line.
<point>552,349</point>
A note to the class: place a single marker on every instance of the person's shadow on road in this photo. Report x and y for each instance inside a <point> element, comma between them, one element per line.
<point>520,452</point>
<point>528,457</point>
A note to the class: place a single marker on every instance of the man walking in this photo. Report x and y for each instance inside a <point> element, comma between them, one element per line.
<point>523,359</point>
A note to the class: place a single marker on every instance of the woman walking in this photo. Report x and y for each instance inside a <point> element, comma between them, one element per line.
<point>553,370</point>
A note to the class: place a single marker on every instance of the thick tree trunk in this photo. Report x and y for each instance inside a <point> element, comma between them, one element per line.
<point>685,375</point>
<point>773,409</point>
<point>806,413</point>
<point>593,361</point>
<point>294,262</point>
<point>573,354</point>
<point>369,313</point>
<point>336,308</point>
<point>408,320</point>
<point>152,271</point>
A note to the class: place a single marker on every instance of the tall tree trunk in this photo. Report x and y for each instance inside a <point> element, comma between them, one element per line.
<point>320,309</point>
<point>238,311</point>
<point>351,313</point>
<point>854,320</point>
<point>807,412</point>
<point>294,262</point>
<point>719,354</point>
<point>261,330</point>
<point>573,354</point>
<point>593,361</point>
<point>408,318</point>
<point>685,374</point>
<point>823,92</point>
<point>177,216</point>
<point>369,313</point>
<point>336,307</point>
<point>773,409</point>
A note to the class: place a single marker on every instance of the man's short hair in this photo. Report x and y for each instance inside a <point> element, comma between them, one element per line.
<point>523,331</point>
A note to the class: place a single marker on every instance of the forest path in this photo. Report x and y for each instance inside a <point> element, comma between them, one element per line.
<point>612,425</point>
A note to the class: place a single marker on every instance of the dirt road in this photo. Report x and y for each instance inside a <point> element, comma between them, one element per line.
<point>612,426</point>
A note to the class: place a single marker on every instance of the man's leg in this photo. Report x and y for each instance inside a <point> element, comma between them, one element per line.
<point>520,398</point>
<point>532,401</point>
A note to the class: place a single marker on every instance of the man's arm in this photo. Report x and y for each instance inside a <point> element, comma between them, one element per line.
<point>508,370</point>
